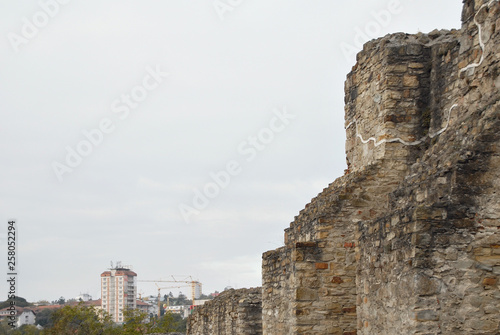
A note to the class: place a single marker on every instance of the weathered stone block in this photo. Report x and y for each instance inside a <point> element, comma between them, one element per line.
<point>410,81</point>
<point>425,286</point>
<point>349,310</point>
<point>493,260</point>
<point>305,244</point>
<point>321,266</point>
<point>427,315</point>
<point>337,280</point>
<point>306,294</point>
<point>489,281</point>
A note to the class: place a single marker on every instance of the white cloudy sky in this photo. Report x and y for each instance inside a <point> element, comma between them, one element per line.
<point>228,74</point>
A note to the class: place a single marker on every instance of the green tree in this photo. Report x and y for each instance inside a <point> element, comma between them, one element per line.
<point>165,324</point>
<point>26,330</point>
<point>139,322</point>
<point>178,323</point>
<point>182,299</point>
<point>4,327</point>
<point>44,317</point>
<point>136,322</point>
<point>80,320</point>
<point>21,302</point>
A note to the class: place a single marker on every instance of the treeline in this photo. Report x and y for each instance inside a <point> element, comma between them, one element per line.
<point>87,320</point>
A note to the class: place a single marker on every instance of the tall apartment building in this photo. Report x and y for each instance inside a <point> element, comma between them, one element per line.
<point>118,291</point>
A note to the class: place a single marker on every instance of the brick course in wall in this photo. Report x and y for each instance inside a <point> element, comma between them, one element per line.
<point>408,240</point>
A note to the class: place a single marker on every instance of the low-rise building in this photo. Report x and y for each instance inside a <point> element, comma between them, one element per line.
<point>182,310</point>
<point>146,307</point>
<point>24,316</point>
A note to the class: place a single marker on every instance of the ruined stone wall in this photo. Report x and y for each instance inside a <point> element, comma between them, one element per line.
<point>277,313</point>
<point>232,312</point>
<point>421,123</point>
<point>383,276</point>
<point>309,285</point>
<point>317,263</point>
<point>430,265</point>
<point>408,240</point>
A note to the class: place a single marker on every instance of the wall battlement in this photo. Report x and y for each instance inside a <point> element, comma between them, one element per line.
<point>408,240</point>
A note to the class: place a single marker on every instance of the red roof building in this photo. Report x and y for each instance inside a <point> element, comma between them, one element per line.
<point>118,291</point>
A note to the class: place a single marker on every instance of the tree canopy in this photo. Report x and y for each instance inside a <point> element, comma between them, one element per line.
<point>80,319</point>
<point>21,302</point>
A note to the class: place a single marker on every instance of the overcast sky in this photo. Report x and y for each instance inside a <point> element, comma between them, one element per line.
<point>180,137</point>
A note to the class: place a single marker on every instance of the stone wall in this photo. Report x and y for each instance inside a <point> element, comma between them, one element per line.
<point>309,285</point>
<point>384,276</point>
<point>232,312</point>
<point>402,233</point>
<point>408,240</point>
<point>428,265</point>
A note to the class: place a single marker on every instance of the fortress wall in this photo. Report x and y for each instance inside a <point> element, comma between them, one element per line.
<point>232,312</point>
<point>430,265</point>
<point>278,315</point>
<point>309,284</point>
<point>408,240</point>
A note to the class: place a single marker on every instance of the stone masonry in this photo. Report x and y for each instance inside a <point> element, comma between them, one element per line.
<point>430,263</point>
<point>232,312</point>
<point>408,240</point>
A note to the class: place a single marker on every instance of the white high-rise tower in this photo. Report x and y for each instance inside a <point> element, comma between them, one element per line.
<point>118,291</point>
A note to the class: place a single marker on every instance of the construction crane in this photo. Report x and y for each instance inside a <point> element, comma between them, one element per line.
<point>192,282</point>
<point>159,296</point>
